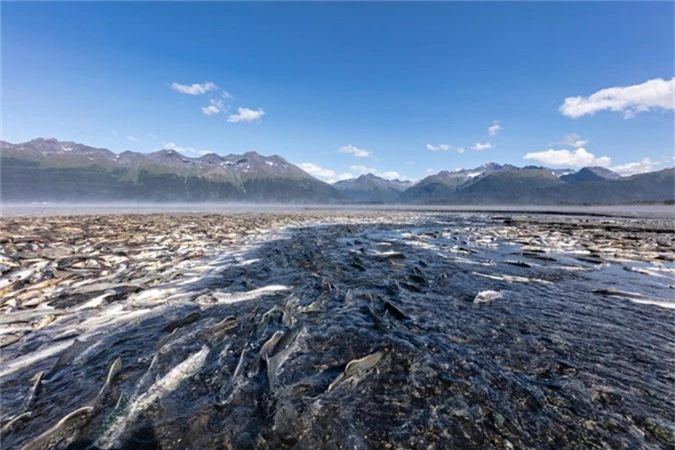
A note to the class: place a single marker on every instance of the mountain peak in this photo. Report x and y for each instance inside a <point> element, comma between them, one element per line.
<point>489,166</point>
<point>602,172</point>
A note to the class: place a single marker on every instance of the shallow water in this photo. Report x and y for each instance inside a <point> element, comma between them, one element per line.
<point>577,352</point>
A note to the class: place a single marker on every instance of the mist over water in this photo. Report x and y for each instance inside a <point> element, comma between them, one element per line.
<point>77,208</point>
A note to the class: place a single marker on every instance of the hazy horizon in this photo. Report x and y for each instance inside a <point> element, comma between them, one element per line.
<point>14,209</point>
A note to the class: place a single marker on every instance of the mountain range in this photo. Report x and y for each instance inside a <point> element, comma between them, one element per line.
<point>52,170</point>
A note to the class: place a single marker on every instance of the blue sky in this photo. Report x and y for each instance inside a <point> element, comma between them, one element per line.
<point>401,89</point>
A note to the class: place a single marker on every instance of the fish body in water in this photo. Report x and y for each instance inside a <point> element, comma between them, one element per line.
<point>161,387</point>
<point>64,432</point>
<point>487,296</point>
<point>355,368</point>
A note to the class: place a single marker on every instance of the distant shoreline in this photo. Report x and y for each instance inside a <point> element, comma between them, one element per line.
<point>656,211</point>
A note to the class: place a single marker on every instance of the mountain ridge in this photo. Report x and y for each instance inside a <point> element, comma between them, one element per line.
<point>51,170</point>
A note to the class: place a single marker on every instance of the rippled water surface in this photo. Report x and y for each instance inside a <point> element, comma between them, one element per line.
<point>368,335</point>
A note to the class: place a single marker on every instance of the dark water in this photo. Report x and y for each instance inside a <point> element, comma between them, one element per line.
<point>553,363</point>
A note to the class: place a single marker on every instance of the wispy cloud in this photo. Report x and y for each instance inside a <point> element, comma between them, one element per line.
<point>194,89</point>
<point>352,150</point>
<point>438,148</point>
<point>215,107</point>
<point>323,173</point>
<point>392,175</point>
<point>153,136</point>
<point>210,110</point>
<point>246,115</point>
<point>187,151</point>
<point>362,170</point>
<point>569,158</point>
<point>629,100</point>
<point>632,168</point>
<point>573,140</point>
<point>482,146</point>
<point>444,148</point>
<point>317,171</point>
<point>494,128</point>
<point>387,175</point>
<point>343,176</point>
<point>132,138</point>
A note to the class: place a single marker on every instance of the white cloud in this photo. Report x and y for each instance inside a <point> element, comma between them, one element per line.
<point>187,151</point>
<point>210,110</point>
<point>576,158</point>
<point>227,95</point>
<point>362,170</point>
<point>444,148</point>
<point>438,148</point>
<point>358,152</point>
<point>132,139</point>
<point>387,175</point>
<point>391,175</point>
<point>344,176</point>
<point>330,176</point>
<point>478,146</point>
<point>215,107</point>
<point>645,165</point>
<point>429,171</point>
<point>629,100</point>
<point>246,115</point>
<point>573,140</point>
<point>494,128</point>
<point>194,89</point>
<point>317,171</point>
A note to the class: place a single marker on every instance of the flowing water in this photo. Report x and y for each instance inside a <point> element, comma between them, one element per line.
<point>433,331</point>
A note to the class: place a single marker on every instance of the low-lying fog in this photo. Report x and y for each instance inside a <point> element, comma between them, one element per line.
<point>51,209</point>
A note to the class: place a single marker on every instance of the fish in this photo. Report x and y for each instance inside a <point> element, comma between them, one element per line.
<point>285,346</point>
<point>67,356</point>
<point>27,316</point>
<point>512,278</point>
<point>392,310</point>
<point>356,367</point>
<point>168,383</point>
<point>268,347</point>
<point>115,367</point>
<point>14,421</point>
<point>618,293</point>
<point>34,391</point>
<point>487,296</point>
<point>11,338</point>
<point>227,324</point>
<point>64,432</point>
<point>181,322</point>
<point>518,263</point>
<point>240,365</point>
